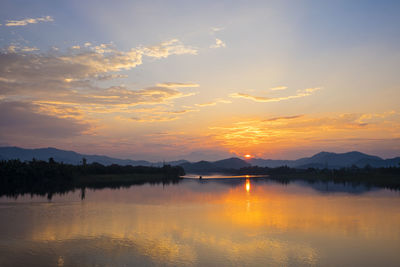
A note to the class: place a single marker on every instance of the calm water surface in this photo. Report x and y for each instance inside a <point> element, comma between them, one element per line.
<point>226,222</point>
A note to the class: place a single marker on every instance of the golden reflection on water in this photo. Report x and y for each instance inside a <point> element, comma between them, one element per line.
<point>247,186</point>
<point>216,223</point>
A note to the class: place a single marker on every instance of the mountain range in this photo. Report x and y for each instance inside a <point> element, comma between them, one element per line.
<point>71,157</point>
<point>330,160</point>
<point>321,160</point>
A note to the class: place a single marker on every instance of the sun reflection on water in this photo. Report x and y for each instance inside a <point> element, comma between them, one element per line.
<point>247,186</point>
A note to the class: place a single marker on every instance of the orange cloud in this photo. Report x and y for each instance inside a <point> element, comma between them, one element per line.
<point>213,103</point>
<point>290,132</point>
<point>177,85</point>
<point>299,94</point>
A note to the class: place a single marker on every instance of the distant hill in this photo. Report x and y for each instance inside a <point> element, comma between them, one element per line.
<point>321,160</point>
<point>335,160</point>
<point>231,163</point>
<point>216,166</point>
<point>271,163</point>
<point>330,160</point>
<point>200,167</point>
<point>65,156</point>
<point>72,157</point>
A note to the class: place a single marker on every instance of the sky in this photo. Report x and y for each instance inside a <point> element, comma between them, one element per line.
<point>168,80</point>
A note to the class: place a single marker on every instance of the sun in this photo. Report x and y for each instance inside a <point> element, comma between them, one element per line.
<point>247,156</point>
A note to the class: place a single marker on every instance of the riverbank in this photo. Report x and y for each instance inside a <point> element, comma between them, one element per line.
<point>47,178</point>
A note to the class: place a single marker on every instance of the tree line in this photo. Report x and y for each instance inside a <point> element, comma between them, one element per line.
<point>48,177</point>
<point>381,177</point>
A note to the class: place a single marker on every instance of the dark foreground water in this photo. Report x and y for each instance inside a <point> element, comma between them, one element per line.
<point>227,222</point>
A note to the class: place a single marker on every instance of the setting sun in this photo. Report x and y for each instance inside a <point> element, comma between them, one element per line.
<point>247,156</point>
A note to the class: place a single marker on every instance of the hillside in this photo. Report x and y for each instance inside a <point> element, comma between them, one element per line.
<point>329,160</point>
<point>65,156</point>
<point>319,161</point>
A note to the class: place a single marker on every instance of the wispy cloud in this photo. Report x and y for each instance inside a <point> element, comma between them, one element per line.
<point>72,70</point>
<point>165,49</point>
<point>279,133</point>
<point>217,29</point>
<point>67,84</point>
<point>106,77</point>
<point>117,97</point>
<point>299,94</point>
<point>177,85</point>
<point>213,103</point>
<point>278,88</point>
<point>218,43</point>
<point>159,114</point>
<point>15,49</point>
<point>27,21</point>
<point>29,49</point>
<point>284,118</point>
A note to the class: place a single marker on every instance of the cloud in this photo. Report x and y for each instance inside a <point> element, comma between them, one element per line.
<point>217,29</point>
<point>300,94</point>
<point>284,118</point>
<point>290,132</point>
<point>24,119</point>
<point>165,49</point>
<point>159,114</point>
<point>278,88</point>
<point>11,49</point>
<point>118,96</point>
<point>38,74</point>
<point>67,84</point>
<point>27,21</point>
<point>218,43</point>
<point>16,49</point>
<point>177,85</point>
<point>102,48</point>
<point>213,103</point>
<point>107,77</point>
<point>73,70</point>
<point>29,49</point>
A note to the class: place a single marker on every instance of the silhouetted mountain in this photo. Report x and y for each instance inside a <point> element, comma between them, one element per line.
<point>231,163</point>
<point>319,161</point>
<point>200,167</point>
<point>58,155</point>
<point>271,163</point>
<point>335,160</point>
<point>173,163</point>
<point>216,166</point>
<point>72,157</point>
<point>329,160</point>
